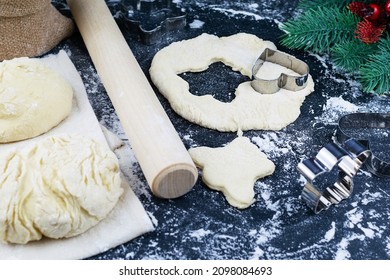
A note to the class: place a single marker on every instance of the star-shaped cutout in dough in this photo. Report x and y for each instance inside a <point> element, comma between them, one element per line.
<point>233,169</point>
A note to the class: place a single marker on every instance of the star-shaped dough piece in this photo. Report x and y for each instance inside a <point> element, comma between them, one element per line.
<point>233,169</point>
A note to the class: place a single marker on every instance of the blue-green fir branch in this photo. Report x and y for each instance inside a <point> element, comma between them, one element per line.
<point>319,29</point>
<point>351,55</point>
<point>375,73</point>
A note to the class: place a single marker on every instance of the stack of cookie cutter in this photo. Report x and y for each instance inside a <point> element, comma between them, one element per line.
<point>346,160</point>
<point>347,156</point>
<point>151,19</point>
<point>285,81</point>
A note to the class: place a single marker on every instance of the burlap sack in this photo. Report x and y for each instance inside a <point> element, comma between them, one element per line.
<point>30,28</point>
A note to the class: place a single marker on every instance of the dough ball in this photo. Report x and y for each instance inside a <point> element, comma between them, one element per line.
<point>33,99</point>
<point>59,187</point>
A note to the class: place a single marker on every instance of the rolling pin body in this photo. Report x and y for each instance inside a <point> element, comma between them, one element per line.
<point>164,160</point>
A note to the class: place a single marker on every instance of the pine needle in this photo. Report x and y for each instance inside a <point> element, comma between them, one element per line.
<point>375,73</point>
<point>327,26</point>
<point>319,29</point>
<point>351,55</point>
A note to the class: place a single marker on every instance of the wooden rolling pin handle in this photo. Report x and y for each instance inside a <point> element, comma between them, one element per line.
<point>164,160</point>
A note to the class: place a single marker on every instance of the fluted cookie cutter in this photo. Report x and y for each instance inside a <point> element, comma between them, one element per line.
<point>349,125</point>
<point>151,19</point>
<point>323,188</point>
<point>285,81</point>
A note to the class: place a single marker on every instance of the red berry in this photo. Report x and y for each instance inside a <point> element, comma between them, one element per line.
<point>375,12</point>
<point>387,7</point>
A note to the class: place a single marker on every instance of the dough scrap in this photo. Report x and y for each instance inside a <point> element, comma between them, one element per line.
<point>59,187</point>
<point>250,109</point>
<point>33,99</point>
<point>233,169</point>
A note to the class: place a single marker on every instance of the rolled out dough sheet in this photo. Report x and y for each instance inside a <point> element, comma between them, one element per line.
<point>128,219</point>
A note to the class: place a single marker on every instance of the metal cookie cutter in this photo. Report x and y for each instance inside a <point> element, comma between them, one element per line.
<point>289,82</point>
<point>322,189</point>
<point>151,19</point>
<point>352,123</point>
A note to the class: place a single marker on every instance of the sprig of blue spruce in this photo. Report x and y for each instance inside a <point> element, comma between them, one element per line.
<point>327,26</point>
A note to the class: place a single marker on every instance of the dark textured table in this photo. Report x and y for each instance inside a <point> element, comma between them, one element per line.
<point>201,224</point>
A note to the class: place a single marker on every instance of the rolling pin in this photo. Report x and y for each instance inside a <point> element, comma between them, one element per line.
<point>165,162</point>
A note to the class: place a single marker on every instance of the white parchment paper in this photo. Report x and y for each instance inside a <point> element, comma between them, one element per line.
<point>128,219</point>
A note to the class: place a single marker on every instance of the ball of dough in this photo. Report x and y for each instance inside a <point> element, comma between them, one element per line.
<point>33,99</point>
<point>59,187</point>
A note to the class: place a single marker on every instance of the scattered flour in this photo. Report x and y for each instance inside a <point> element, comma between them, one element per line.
<point>336,107</point>
<point>354,216</point>
<point>342,252</point>
<point>339,104</point>
<point>329,235</point>
<point>257,254</point>
<point>234,13</point>
<point>196,24</point>
<point>200,233</point>
<point>268,231</point>
<point>271,144</point>
<point>367,231</point>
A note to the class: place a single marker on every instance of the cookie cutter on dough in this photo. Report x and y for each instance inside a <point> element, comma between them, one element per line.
<point>152,18</point>
<point>289,82</point>
<point>374,163</point>
<point>346,161</point>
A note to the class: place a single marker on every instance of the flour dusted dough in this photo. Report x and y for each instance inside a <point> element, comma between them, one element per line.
<point>59,187</point>
<point>250,109</point>
<point>33,99</point>
<point>233,169</point>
